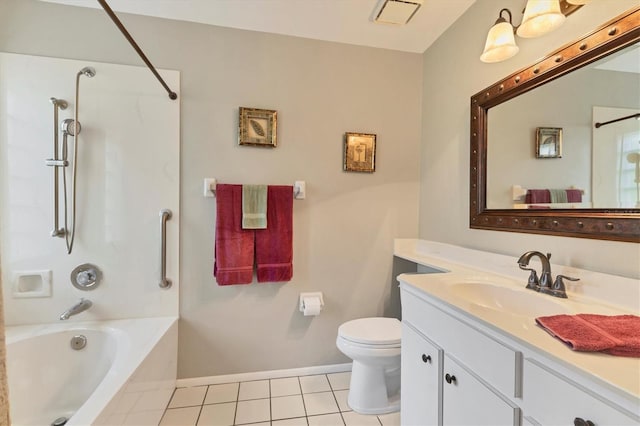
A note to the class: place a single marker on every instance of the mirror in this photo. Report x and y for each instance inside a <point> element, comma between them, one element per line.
<point>543,119</point>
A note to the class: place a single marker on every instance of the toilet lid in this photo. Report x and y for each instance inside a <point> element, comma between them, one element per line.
<point>372,331</point>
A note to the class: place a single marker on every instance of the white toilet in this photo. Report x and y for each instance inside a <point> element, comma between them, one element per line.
<point>374,346</point>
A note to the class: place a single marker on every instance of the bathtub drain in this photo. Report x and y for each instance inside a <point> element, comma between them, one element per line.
<point>78,342</point>
<point>60,421</point>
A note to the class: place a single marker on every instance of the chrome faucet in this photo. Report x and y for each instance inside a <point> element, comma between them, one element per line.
<point>545,284</point>
<point>81,306</point>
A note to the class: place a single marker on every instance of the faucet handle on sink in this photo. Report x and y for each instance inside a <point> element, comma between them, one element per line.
<point>558,288</point>
<point>533,282</point>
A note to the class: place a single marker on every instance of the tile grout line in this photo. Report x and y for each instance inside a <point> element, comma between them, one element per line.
<point>235,413</point>
<point>333,392</point>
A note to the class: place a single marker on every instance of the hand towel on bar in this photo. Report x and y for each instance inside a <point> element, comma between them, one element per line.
<point>274,245</point>
<point>574,196</point>
<point>558,195</point>
<point>234,247</point>
<point>254,206</point>
<point>615,335</point>
<point>538,196</point>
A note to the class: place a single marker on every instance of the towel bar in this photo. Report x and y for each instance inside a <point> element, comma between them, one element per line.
<point>299,189</point>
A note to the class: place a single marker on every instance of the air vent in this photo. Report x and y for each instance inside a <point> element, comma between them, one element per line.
<point>397,12</point>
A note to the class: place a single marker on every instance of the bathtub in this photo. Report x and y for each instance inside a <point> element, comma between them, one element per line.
<point>124,375</point>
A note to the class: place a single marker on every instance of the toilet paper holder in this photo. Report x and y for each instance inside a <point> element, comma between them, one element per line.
<point>308,297</point>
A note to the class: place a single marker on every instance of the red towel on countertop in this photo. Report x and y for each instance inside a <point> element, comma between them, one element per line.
<point>274,245</point>
<point>233,246</point>
<point>615,335</point>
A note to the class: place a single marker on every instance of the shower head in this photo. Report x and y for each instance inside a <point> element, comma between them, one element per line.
<point>68,126</point>
<point>88,71</point>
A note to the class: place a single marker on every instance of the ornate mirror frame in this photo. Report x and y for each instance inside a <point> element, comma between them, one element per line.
<point>604,224</point>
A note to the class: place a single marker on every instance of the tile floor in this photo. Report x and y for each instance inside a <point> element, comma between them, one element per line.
<point>318,400</point>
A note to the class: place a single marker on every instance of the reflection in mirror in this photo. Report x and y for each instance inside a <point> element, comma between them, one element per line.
<point>590,172</point>
<point>598,167</point>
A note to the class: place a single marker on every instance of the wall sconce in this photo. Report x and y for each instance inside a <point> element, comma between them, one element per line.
<point>540,17</point>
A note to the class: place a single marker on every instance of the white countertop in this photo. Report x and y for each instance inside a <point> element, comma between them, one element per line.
<point>468,267</point>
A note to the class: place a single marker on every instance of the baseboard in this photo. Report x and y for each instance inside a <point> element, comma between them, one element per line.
<point>263,375</point>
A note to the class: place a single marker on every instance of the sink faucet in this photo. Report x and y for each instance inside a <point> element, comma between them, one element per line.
<point>81,306</point>
<point>545,284</point>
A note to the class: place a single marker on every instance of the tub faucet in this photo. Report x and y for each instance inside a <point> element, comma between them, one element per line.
<point>81,306</point>
<point>545,284</point>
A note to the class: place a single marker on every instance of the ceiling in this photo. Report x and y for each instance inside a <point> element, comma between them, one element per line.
<point>344,21</point>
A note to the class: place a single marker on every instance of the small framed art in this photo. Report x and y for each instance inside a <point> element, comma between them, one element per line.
<point>360,152</point>
<point>257,127</point>
<point>549,142</point>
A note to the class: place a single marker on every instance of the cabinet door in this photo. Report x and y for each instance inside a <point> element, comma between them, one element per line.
<point>421,384</point>
<point>467,401</point>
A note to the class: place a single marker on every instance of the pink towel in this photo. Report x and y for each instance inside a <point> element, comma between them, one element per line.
<point>615,335</point>
<point>274,245</point>
<point>234,246</point>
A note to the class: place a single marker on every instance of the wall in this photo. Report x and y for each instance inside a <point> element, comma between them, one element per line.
<point>120,189</point>
<point>343,231</point>
<point>452,74</point>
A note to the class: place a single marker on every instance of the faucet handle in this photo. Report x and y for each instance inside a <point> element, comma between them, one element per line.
<point>533,282</point>
<point>558,284</point>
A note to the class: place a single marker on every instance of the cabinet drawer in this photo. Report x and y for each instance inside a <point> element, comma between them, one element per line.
<point>498,364</point>
<point>551,399</point>
<point>467,401</point>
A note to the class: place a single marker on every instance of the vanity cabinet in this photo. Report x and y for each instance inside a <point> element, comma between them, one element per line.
<point>438,387</point>
<point>479,376</point>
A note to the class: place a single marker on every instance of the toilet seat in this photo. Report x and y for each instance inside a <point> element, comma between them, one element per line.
<point>378,332</point>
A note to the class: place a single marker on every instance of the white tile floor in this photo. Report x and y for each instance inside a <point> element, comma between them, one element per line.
<point>318,400</point>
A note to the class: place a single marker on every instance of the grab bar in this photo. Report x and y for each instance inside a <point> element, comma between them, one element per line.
<point>55,162</point>
<point>165,214</point>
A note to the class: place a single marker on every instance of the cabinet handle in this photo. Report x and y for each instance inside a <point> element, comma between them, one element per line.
<point>426,358</point>
<point>581,422</point>
<point>450,378</point>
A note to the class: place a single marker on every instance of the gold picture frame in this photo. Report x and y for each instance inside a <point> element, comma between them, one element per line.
<point>360,152</point>
<point>257,127</point>
<point>549,142</point>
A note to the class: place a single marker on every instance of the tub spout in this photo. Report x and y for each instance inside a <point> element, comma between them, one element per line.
<point>81,306</point>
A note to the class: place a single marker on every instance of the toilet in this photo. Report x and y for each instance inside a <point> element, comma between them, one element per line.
<point>374,346</point>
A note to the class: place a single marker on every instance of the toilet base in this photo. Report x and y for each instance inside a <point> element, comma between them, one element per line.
<point>369,388</point>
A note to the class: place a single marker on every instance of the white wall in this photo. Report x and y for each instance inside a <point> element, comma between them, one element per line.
<point>452,74</point>
<point>128,170</point>
<point>343,231</point>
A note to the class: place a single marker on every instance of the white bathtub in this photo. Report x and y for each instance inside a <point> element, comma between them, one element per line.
<point>125,374</point>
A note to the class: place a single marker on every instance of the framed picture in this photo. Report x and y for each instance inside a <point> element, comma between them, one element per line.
<point>257,127</point>
<point>548,142</point>
<point>360,152</point>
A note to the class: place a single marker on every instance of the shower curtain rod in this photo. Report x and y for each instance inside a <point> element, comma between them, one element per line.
<point>637,115</point>
<point>125,33</point>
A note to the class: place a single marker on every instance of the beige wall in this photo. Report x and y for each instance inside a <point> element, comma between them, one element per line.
<point>343,231</point>
<point>452,74</point>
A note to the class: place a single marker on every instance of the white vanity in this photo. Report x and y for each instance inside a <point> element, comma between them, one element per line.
<point>473,355</point>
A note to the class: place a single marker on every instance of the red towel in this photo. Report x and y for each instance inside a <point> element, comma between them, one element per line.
<point>538,196</point>
<point>615,335</point>
<point>274,245</point>
<point>234,246</point>
<point>574,196</point>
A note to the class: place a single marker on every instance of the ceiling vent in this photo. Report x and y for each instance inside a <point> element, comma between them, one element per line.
<point>397,12</point>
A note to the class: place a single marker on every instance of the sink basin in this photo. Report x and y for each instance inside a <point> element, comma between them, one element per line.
<point>523,302</point>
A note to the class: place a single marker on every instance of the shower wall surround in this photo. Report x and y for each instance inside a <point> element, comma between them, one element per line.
<point>128,170</point>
